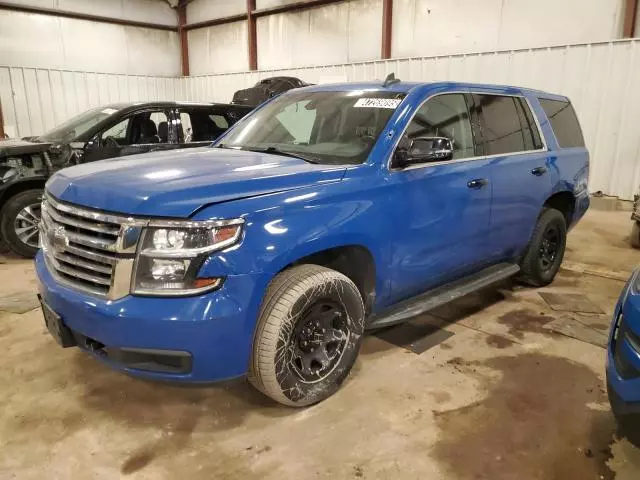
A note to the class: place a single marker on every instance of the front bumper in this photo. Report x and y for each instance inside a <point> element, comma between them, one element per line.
<point>214,330</point>
<point>623,354</point>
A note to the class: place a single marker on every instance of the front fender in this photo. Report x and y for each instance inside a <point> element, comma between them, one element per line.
<point>285,227</point>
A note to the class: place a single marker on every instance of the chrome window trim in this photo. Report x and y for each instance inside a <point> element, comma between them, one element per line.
<point>544,148</point>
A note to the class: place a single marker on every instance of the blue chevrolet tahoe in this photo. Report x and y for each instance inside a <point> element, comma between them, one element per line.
<point>328,211</point>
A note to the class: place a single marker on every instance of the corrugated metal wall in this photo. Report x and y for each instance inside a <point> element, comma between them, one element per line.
<point>601,79</point>
<point>35,100</point>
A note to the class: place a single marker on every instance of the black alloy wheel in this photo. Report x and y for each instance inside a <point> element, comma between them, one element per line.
<point>549,247</point>
<point>318,341</point>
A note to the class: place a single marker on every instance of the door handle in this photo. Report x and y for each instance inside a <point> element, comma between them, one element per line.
<point>477,183</point>
<point>538,171</point>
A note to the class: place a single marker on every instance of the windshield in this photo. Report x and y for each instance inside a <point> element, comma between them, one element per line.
<point>320,127</point>
<point>78,125</point>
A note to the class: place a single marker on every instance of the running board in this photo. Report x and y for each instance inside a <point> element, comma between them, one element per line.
<point>444,294</point>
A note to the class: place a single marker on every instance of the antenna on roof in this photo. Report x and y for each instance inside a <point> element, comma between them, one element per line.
<point>390,80</point>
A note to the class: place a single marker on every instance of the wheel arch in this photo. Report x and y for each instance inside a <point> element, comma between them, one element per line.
<point>355,261</point>
<point>21,186</point>
<point>565,202</point>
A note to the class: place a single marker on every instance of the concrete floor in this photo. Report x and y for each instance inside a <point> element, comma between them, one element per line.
<point>504,396</point>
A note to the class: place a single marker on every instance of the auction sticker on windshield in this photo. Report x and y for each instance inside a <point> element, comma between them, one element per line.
<point>377,103</point>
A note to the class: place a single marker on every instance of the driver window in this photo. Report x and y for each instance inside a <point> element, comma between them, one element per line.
<point>445,116</point>
<point>118,132</point>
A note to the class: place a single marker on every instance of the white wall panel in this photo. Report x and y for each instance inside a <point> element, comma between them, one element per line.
<point>36,100</point>
<point>43,41</point>
<point>151,11</point>
<point>601,79</point>
<point>201,10</point>
<point>438,27</point>
<point>218,49</point>
<point>344,32</point>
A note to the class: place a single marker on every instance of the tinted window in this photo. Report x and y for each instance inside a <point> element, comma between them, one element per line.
<point>564,122</point>
<point>530,132</point>
<point>502,130</point>
<point>445,116</point>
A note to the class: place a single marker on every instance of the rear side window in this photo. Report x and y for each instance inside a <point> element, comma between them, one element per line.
<point>564,122</point>
<point>508,126</point>
<point>530,132</point>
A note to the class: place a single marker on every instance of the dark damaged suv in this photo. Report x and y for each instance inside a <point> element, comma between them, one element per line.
<point>105,132</point>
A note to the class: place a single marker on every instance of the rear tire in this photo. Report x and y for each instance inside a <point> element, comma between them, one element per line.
<point>545,252</point>
<point>308,336</point>
<point>634,240</point>
<point>19,221</point>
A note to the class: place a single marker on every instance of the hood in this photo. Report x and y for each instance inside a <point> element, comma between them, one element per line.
<point>17,146</point>
<point>176,183</point>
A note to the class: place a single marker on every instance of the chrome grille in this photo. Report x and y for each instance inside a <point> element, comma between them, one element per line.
<point>84,248</point>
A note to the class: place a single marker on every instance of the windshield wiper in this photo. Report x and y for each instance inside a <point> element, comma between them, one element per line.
<point>284,153</point>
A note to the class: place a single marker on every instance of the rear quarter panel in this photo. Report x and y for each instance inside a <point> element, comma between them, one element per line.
<point>568,167</point>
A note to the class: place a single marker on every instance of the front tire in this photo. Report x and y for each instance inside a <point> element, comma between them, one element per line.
<point>545,252</point>
<point>308,336</point>
<point>19,222</point>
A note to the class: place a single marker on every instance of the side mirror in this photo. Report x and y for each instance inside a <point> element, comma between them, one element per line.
<point>423,150</point>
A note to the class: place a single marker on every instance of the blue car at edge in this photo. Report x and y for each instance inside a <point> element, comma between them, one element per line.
<point>623,360</point>
<point>328,211</point>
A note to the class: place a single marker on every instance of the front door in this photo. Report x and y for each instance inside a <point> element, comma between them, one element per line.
<point>442,208</point>
<point>139,132</point>
<point>519,168</point>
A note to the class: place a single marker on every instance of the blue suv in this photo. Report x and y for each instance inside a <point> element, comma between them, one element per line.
<point>328,211</point>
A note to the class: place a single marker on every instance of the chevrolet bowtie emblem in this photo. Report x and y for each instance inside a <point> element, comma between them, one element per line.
<point>58,239</point>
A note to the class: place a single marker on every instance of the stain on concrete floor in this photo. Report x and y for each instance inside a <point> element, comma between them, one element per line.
<point>524,320</point>
<point>498,341</point>
<point>538,420</point>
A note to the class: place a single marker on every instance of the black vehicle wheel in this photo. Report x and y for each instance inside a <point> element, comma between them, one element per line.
<point>308,335</point>
<point>546,249</point>
<point>634,240</point>
<point>19,222</point>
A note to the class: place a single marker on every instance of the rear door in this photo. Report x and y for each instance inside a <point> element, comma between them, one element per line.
<point>510,137</point>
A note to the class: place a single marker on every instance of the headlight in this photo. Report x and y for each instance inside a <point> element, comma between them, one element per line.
<point>172,252</point>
